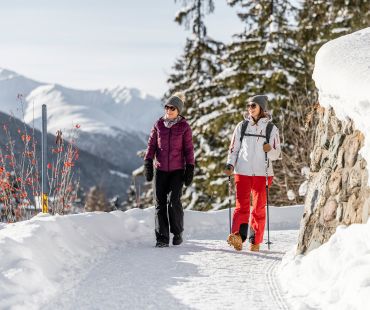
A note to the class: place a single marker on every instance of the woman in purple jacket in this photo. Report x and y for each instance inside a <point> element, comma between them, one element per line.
<point>170,143</point>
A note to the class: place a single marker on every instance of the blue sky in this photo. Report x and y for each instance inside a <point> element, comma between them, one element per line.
<point>92,44</point>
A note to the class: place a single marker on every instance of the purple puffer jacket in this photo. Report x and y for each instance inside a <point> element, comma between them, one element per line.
<point>172,147</point>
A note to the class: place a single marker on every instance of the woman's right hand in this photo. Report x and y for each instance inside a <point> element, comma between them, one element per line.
<point>229,169</point>
<point>148,170</point>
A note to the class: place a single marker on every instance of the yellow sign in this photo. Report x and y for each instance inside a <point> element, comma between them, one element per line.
<point>45,207</point>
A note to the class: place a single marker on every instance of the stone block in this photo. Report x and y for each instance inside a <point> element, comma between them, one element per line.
<point>355,178</point>
<point>330,210</point>
<point>335,182</point>
<point>351,151</point>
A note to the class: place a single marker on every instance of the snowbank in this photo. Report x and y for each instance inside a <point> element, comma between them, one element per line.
<point>342,76</point>
<point>333,276</point>
<point>38,255</point>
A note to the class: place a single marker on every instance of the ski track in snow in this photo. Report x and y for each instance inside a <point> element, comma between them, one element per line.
<point>274,288</point>
<point>199,274</point>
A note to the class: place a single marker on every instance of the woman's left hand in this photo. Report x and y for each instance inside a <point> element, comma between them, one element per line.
<point>267,147</point>
<point>189,174</point>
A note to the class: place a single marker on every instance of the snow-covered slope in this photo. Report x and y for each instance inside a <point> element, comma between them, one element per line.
<point>98,111</point>
<point>57,262</point>
<point>333,276</point>
<point>11,85</point>
<point>106,111</point>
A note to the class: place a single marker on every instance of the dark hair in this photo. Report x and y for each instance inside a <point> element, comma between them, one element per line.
<point>262,114</point>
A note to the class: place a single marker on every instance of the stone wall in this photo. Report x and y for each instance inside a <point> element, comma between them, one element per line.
<point>337,192</point>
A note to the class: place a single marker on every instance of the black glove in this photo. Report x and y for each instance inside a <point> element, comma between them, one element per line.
<point>189,174</point>
<point>229,170</point>
<point>229,167</point>
<point>148,169</point>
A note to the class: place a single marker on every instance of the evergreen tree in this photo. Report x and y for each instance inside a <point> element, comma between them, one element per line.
<point>265,54</point>
<point>193,72</point>
<point>193,75</point>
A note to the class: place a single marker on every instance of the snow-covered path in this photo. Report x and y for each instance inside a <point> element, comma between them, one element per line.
<point>200,274</point>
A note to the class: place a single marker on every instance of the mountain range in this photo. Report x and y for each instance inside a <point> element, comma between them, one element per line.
<point>113,122</point>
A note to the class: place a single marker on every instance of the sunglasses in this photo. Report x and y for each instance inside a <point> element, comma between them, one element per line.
<point>169,107</point>
<point>252,106</point>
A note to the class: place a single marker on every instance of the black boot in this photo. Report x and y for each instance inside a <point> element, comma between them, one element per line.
<point>160,244</point>
<point>252,236</point>
<point>177,239</point>
<point>243,231</point>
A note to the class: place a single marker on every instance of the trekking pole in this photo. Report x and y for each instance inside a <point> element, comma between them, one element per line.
<point>230,203</point>
<point>267,202</point>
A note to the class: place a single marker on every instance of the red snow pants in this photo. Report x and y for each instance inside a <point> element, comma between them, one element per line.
<point>245,186</point>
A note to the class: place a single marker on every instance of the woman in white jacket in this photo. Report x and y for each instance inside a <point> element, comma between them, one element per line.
<point>247,160</point>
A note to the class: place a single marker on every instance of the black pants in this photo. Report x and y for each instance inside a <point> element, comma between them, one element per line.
<point>167,195</point>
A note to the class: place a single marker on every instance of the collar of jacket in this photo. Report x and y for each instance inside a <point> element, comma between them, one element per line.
<point>162,119</point>
<point>249,118</point>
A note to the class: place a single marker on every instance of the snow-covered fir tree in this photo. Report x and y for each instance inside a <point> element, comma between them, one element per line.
<point>265,54</point>
<point>193,75</point>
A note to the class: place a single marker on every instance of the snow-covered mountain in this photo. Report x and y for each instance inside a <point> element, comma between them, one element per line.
<point>123,116</point>
<point>104,111</point>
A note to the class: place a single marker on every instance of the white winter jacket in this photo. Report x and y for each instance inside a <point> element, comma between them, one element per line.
<point>248,157</point>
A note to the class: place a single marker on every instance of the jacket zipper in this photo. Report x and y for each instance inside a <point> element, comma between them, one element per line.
<point>256,148</point>
<point>169,149</point>
<point>254,157</point>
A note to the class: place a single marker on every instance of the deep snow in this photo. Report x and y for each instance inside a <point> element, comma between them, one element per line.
<point>333,276</point>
